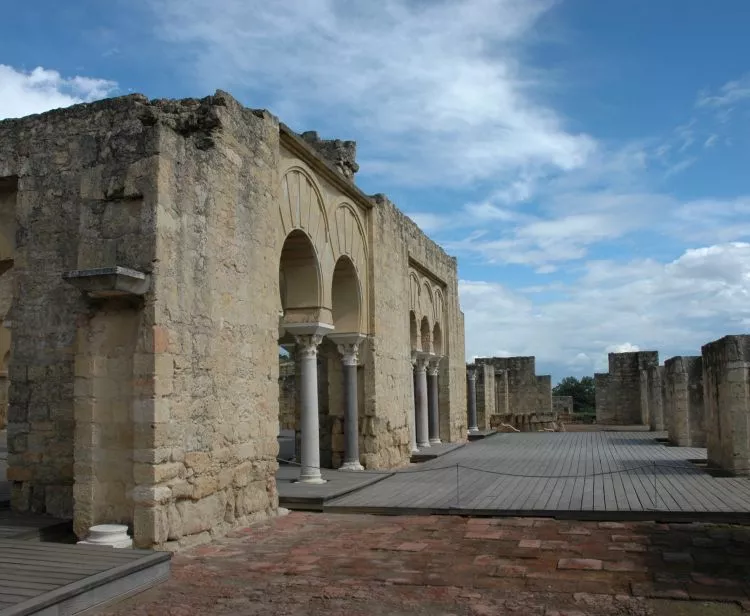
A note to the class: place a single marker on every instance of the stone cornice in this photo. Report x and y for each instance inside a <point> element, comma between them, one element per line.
<point>292,142</point>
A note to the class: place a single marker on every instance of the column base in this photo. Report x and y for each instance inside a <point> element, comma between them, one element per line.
<point>415,449</point>
<point>473,430</point>
<point>351,466</point>
<point>312,479</point>
<point>435,441</point>
<point>422,445</point>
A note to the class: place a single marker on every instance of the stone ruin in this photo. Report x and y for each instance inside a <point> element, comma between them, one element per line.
<point>698,400</point>
<point>154,255</point>
<point>510,393</point>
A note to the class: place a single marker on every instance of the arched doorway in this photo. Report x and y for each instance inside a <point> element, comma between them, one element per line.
<point>346,374</point>
<point>300,337</point>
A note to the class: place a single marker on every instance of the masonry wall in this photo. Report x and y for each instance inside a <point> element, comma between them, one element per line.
<point>485,395</point>
<point>562,405</point>
<point>544,395</point>
<point>8,192</point>
<point>621,397</point>
<point>502,394</point>
<point>655,395</point>
<point>523,388</point>
<point>683,402</point>
<point>726,381</point>
<point>76,171</point>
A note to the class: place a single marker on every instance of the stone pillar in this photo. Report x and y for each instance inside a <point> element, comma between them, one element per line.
<point>433,370</point>
<point>348,346</point>
<point>420,372</point>
<point>413,411</point>
<point>471,376</point>
<point>308,336</point>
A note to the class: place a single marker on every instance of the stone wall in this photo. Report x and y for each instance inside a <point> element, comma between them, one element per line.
<point>544,395</point>
<point>562,404</point>
<point>162,411</point>
<point>655,393</point>
<point>485,395</point>
<point>683,402</point>
<point>523,389</point>
<point>726,382</point>
<point>8,192</point>
<point>620,394</point>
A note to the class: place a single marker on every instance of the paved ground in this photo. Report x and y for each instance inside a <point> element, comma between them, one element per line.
<point>327,564</point>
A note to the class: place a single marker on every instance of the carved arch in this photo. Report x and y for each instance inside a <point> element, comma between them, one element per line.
<point>427,306</point>
<point>414,292</point>
<point>438,305</point>
<point>302,206</point>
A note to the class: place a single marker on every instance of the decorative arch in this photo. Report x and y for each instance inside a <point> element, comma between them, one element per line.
<point>300,278</point>
<point>346,297</point>
<point>414,292</point>
<point>426,335</point>
<point>438,305</point>
<point>427,303</point>
<point>302,206</point>
<point>414,337</point>
<point>437,339</point>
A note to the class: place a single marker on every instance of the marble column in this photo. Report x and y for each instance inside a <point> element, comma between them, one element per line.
<point>307,349</point>
<point>348,346</point>
<point>420,370</point>
<point>471,376</point>
<point>433,370</point>
<point>413,411</point>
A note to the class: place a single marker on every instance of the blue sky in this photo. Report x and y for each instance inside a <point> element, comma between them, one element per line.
<point>586,161</point>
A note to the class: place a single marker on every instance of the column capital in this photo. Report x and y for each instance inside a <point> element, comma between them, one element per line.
<point>472,373</point>
<point>422,361</point>
<point>307,345</point>
<point>433,366</point>
<point>348,345</point>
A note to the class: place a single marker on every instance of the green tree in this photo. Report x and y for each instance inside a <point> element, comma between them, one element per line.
<point>582,391</point>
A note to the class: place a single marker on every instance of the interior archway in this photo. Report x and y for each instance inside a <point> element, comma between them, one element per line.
<point>414,332</point>
<point>426,335</point>
<point>346,297</point>
<point>437,340</point>
<point>299,278</point>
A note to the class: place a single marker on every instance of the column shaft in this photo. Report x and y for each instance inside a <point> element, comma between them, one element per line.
<point>472,395</point>
<point>432,404</point>
<point>423,437</point>
<point>309,426</point>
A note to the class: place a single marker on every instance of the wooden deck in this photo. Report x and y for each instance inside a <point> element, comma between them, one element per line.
<point>59,579</point>
<point>435,451</point>
<point>306,497</point>
<point>586,475</point>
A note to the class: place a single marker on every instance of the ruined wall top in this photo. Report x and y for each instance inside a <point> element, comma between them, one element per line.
<point>341,154</point>
<point>728,349</point>
<point>633,360</point>
<point>524,364</point>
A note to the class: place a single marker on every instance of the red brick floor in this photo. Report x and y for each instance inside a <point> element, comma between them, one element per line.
<point>310,564</point>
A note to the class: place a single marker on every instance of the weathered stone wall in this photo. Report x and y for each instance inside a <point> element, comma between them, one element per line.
<point>8,192</point>
<point>619,398</point>
<point>562,404</point>
<point>655,397</point>
<point>544,396</point>
<point>726,382</point>
<point>604,413</point>
<point>78,201</point>
<point>502,396</point>
<point>485,395</point>
<point>523,389</point>
<point>683,401</point>
<point>172,400</point>
<point>645,411</point>
<point>287,396</point>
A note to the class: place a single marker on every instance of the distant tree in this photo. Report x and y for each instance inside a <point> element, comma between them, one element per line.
<point>582,391</point>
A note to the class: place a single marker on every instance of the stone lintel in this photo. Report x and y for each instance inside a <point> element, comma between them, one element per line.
<point>109,282</point>
<point>346,338</point>
<point>313,328</point>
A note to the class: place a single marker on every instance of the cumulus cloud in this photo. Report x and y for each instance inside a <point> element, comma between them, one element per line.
<point>434,90</point>
<point>643,304</point>
<point>25,93</point>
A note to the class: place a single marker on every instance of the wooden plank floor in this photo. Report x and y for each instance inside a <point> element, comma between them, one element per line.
<point>67,579</point>
<point>602,474</point>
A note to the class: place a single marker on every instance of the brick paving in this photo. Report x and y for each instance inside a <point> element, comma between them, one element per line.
<point>316,564</point>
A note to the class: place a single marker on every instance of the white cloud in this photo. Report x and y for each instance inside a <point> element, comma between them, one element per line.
<point>25,93</point>
<point>728,95</point>
<point>434,90</point>
<point>671,307</point>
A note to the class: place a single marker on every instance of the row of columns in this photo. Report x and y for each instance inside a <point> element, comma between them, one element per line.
<point>307,340</point>
<point>426,430</point>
